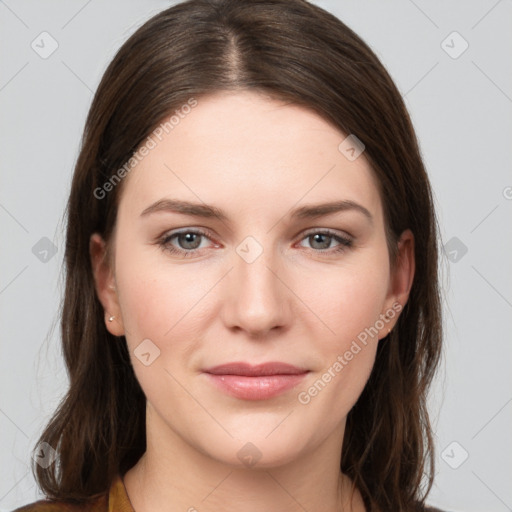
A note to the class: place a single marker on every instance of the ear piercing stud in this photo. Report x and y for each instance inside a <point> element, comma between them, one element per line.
<point>386,316</point>
<point>111,318</point>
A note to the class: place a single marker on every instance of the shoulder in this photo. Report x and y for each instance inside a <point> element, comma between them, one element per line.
<point>96,505</point>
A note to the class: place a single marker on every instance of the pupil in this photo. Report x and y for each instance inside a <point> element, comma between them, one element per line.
<point>318,238</point>
<point>189,238</point>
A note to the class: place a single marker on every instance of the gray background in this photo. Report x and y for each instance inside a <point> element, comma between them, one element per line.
<point>461,106</point>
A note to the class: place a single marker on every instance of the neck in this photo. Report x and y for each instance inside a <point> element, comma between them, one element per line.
<point>174,475</point>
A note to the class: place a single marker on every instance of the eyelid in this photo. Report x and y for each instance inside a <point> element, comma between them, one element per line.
<point>167,235</point>
<point>208,234</point>
<point>326,231</point>
<point>344,239</point>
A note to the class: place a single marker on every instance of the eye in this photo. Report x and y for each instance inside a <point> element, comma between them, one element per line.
<point>321,241</point>
<point>188,242</point>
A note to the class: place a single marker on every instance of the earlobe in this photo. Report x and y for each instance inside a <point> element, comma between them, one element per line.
<point>401,281</point>
<point>105,285</point>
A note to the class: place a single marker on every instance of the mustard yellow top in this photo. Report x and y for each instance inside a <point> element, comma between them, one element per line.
<point>116,501</point>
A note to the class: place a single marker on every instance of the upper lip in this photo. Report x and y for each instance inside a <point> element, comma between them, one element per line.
<point>248,370</point>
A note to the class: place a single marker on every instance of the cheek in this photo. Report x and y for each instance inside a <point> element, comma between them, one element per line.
<point>162,303</point>
<point>349,302</point>
<point>158,301</point>
<point>159,298</point>
<point>346,300</point>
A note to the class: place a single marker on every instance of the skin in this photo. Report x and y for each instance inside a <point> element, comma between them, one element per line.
<point>299,302</point>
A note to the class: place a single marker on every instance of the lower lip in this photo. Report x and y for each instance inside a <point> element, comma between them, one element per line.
<point>255,388</point>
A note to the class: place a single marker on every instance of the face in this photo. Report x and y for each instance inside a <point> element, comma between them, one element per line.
<point>251,274</point>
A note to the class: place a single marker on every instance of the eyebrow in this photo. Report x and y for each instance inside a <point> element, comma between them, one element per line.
<point>208,211</point>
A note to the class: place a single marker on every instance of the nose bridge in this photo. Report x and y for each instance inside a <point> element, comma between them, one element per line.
<point>258,300</point>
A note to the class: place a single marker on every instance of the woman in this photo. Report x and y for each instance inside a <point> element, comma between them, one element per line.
<point>251,314</point>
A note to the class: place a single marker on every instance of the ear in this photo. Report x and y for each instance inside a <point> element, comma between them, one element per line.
<point>105,285</point>
<point>402,277</point>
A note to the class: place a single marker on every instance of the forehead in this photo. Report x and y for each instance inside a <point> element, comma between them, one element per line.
<point>251,152</point>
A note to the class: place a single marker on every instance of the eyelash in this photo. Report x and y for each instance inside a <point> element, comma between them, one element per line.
<point>164,242</point>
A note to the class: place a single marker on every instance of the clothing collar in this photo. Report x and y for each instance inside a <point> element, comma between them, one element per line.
<point>118,500</point>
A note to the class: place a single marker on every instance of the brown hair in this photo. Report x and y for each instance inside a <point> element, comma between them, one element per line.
<point>293,51</point>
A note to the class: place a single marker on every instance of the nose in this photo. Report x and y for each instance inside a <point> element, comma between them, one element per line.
<point>257,301</point>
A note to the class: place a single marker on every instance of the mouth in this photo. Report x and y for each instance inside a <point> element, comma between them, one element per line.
<point>261,382</point>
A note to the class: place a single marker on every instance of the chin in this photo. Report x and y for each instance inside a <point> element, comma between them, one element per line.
<point>255,449</point>
<point>258,456</point>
